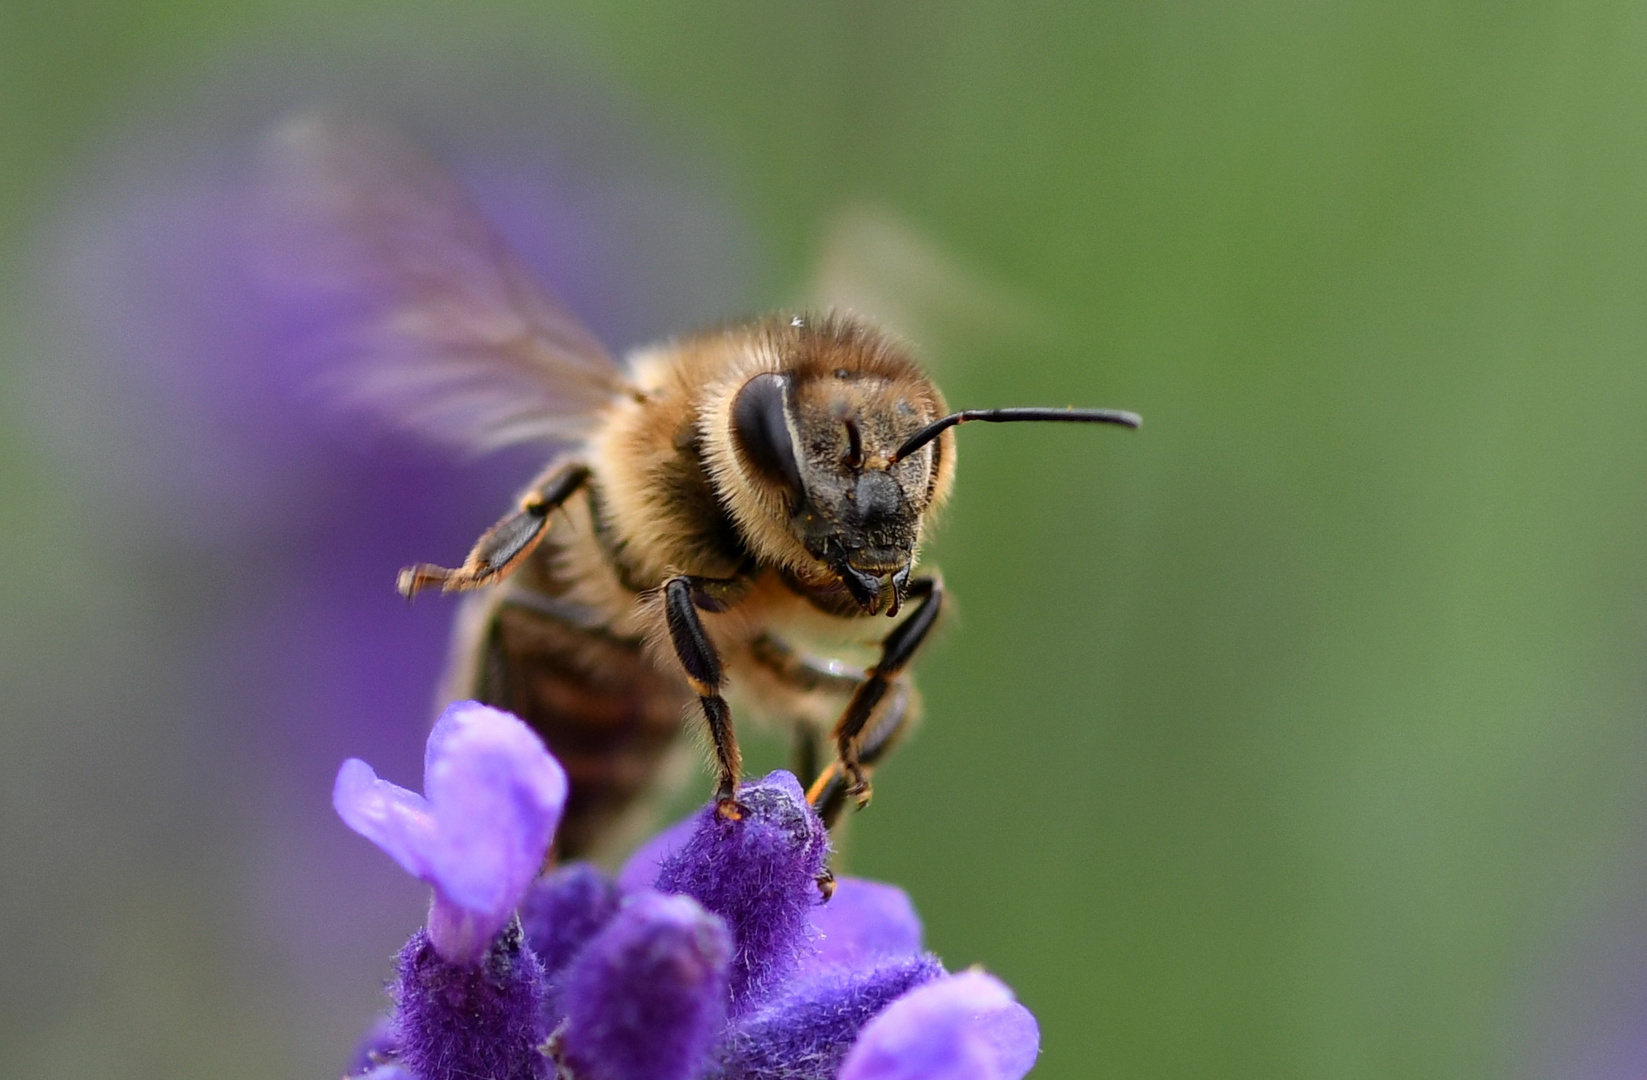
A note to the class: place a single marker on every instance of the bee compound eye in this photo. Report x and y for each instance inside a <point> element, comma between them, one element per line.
<point>760,428</point>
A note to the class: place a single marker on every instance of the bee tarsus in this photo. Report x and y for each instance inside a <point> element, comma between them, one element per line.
<point>505,545</point>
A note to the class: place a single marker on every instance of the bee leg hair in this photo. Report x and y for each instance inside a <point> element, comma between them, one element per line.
<point>505,545</point>
<point>682,597</point>
<point>897,650</point>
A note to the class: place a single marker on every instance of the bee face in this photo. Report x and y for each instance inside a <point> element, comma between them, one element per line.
<point>821,435</point>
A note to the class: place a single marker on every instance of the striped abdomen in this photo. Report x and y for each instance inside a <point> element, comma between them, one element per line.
<point>601,705</point>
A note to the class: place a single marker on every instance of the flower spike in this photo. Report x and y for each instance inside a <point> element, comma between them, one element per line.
<point>731,968</point>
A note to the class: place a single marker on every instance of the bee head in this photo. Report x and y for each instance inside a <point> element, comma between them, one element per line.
<point>817,444</point>
<point>833,455</point>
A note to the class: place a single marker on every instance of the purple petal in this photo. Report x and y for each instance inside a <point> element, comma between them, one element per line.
<point>497,796</point>
<point>964,1027</point>
<point>647,998</point>
<point>806,1034</point>
<point>396,820</point>
<point>865,921</point>
<point>758,873</point>
<point>460,1021</point>
<point>494,798</point>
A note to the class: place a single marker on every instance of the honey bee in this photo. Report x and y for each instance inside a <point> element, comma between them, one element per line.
<point>742,505</point>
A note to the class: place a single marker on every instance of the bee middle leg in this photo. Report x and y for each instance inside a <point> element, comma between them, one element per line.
<point>505,545</point>
<point>683,596</point>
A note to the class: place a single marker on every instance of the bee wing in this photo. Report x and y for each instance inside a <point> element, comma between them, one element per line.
<point>437,326</point>
<point>874,263</point>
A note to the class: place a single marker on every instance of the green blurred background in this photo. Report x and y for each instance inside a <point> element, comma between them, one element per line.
<point>1300,735</point>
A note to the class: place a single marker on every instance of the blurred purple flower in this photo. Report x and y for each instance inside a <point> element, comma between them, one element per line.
<point>263,528</point>
<point>564,909</point>
<point>864,921</point>
<point>493,798</point>
<point>377,1047</point>
<point>713,957</point>
<point>392,1070</point>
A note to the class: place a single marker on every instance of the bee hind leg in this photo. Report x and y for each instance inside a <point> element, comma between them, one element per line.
<point>505,545</point>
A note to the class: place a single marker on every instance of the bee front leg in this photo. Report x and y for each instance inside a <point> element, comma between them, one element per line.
<point>505,545</point>
<point>682,597</point>
<point>896,651</point>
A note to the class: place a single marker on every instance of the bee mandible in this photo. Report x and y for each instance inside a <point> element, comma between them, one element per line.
<point>739,505</point>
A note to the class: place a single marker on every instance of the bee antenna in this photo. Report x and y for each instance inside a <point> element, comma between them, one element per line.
<point>1006,416</point>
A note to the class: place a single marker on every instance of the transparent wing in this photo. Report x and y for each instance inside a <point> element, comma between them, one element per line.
<point>429,320</point>
<point>872,262</point>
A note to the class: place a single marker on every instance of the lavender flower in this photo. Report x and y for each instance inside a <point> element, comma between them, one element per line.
<point>564,909</point>
<point>811,1026</point>
<point>377,1047</point>
<point>865,921</point>
<point>712,956</point>
<point>392,1070</point>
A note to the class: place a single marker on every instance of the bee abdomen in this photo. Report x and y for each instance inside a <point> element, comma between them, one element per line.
<point>604,710</point>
